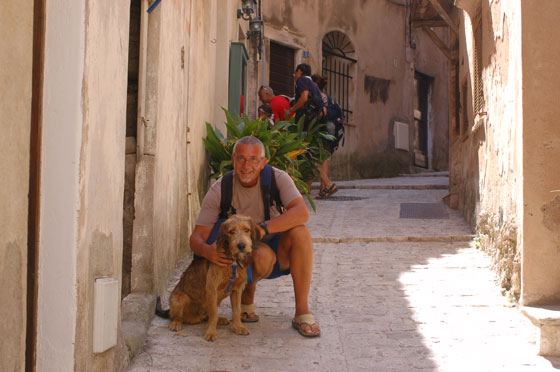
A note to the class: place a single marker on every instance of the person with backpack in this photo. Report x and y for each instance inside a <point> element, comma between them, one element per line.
<point>307,101</point>
<point>331,119</point>
<point>279,104</point>
<point>270,197</point>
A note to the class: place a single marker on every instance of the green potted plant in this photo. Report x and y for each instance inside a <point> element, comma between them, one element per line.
<point>287,147</point>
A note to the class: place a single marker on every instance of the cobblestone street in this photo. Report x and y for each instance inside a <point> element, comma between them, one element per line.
<point>390,293</point>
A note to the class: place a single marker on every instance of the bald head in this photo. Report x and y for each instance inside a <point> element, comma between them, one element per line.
<point>266,94</point>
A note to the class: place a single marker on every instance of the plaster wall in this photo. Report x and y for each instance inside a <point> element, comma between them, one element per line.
<point>63,122</point>
<point>16,20</point>
<point>486,156</point>
<point>170,161</point>
<point>369,148</point>
<point>541,151</point>
<point>101,172</point>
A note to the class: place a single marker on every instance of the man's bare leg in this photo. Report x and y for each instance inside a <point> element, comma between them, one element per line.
<point>263,263</point>
<point>295,251</point>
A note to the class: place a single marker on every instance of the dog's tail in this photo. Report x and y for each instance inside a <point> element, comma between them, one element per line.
<point>159,311</point>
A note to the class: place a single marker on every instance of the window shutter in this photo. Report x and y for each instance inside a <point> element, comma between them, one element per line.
<point>238,58</point>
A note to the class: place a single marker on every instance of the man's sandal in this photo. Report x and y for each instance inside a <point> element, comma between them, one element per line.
<point>308,319</point>
<point>248,314</point>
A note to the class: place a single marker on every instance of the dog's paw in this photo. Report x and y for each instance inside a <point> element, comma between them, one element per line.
<point>240,330</point>
<point>176,325</point>
<point>210,336</point>
<point>223,321</point>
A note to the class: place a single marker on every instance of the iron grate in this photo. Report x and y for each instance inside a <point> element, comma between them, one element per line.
<point>435,211</point>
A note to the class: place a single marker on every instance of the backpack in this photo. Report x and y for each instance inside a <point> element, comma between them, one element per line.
<point>313,106</point>
<point>269,190</point>
<point>335,116</point>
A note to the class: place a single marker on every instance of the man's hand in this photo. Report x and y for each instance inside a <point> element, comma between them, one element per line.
<point>262,233</point>
<point>209,251</point>
<point>217,258</point>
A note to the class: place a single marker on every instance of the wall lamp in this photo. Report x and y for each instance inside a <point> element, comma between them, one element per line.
<point>247,9</point>
<point>255,28</point>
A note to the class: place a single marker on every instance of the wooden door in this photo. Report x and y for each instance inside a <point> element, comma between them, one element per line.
<point>281,75</point>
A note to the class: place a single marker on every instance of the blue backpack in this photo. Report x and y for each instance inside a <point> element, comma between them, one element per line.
<point>336,116</point>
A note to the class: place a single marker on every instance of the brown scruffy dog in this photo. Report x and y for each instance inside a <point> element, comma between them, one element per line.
<point>203,285</point>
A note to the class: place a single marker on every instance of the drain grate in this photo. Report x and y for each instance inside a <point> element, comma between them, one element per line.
<point>344,198</point>
<point>435,211</point>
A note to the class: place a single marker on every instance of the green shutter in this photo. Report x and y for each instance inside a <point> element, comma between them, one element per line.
<point>237,77</point>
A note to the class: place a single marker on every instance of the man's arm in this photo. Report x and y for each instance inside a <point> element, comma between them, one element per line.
<point>296,214</point>
<point>199,247</point>
<point>300,102</point>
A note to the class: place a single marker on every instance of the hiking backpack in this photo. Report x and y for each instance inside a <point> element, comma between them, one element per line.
<point>336,116</point>
<point>313,107</point>
<point>269,190</point>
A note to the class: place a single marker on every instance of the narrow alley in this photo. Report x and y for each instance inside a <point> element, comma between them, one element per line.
<point>398,285</point>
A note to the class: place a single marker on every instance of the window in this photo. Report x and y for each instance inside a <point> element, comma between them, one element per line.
<point>282,67</point>
<point>237,90</point>
<point>337,67</point>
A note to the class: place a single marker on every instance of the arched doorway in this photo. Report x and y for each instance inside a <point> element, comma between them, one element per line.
<point>338,66</point>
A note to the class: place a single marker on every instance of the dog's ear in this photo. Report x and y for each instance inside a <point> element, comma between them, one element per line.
<point>222,239</point>
<point>255,238</point>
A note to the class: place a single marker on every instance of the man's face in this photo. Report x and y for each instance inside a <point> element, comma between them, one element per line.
<point>248,163</point>
<point>264,96</point>
<point>297,74</point>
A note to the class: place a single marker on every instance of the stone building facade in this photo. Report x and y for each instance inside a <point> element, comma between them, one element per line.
<point>389,80</point>
<point>103,118</point>
<point>504,140</point>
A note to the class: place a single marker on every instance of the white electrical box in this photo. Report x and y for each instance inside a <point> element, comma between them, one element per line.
<point>105,313</point>
<point>400,131</point>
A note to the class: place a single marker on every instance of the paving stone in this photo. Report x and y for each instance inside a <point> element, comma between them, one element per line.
<point>388,305</point>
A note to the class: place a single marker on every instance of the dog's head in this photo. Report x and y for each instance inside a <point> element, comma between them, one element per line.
<point>238,236</point>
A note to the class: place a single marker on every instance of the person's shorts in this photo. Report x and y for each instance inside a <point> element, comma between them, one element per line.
<point>273,244</point>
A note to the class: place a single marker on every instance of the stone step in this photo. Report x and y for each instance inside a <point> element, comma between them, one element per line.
<point>547,320</point>
<point>386,187</point>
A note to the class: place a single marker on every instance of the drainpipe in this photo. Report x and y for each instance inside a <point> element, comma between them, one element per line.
<point>263,50</point>
<point>34,206</point>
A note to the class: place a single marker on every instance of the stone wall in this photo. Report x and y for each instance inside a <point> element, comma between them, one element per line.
<point>16,20</point>
<point>485,153</point>
<point>541,151</point>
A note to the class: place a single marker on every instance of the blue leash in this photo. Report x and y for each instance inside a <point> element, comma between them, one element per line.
<point>233,272</point>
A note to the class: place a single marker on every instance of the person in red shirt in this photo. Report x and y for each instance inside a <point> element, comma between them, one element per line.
<point>279,104</point>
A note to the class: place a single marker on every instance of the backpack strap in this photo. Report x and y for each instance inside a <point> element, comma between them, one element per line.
<point>266,185</point>
<point>226,197</point>
<point>275,194</point>
<point>289,99</point>
<point>270,192</point>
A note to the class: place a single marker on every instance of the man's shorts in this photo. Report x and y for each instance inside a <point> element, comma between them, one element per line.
<point>273,244</point>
